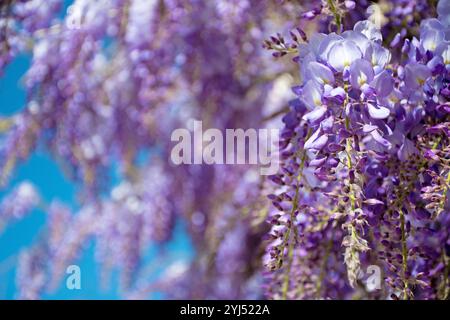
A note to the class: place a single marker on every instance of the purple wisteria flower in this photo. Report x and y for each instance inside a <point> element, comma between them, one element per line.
<point>368,133</point>
<point>364,181</point>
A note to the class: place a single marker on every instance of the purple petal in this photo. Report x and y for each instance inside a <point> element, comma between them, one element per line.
<point>368,29</point>
<point>378,56</point>
<point>369,128</point>
<point>383,84</point>
<point>327,124</point>
<point>349,5</point>
<point>416,75</point>
<point>407,150</point>
<point>443,10</point>
<point>316,141</point>
<point>319,73</point>
<point>377,112</point>
<point>337,95</point>
<point>312,94</point>
<point>317,162</point>
<point>372,202</point>
<point>315,115</point>
<point>429,154</point>
<point>326,43</point>
<point>358,38</point>
<point>361,72</point>
<point>396,40</point>
<point>379,139</point>
<point>342,54</point>
<point>431,38</point>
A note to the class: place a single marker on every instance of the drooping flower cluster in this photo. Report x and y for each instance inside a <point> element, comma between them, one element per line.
<point>18,203</point>
<point>365,173</point>
<point>106,87</point>
<point>19,20</point>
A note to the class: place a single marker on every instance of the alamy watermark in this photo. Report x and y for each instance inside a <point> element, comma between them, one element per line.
<point>236,146</point>
<point>371,278</point>
<point>73,281</point>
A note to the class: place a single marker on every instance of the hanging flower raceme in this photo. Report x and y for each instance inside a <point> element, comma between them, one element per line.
<point>366,147</point>
<point>364,182</point>
<point>107,86</point>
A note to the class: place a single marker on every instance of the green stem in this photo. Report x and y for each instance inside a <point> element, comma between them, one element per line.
<point>337,17</point>
<point>445,287</point>
<point>285,287</point>
<point>286,275</point>
<point>323,268</point>
<point>348,149</point>
<point>444,193</point>
<point>404,255</point>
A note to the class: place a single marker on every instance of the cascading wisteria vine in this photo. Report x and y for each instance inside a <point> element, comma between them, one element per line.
<point>99,85</point>
<point>365,167</point>
<point>365,171</point>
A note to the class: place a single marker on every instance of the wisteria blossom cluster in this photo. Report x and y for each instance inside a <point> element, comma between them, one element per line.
<point>365,177</point>
<point>364,182</point>
<point>19,20</point>
<point>107,85</point>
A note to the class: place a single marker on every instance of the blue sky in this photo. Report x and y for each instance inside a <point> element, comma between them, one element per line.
<point>46,175</point>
